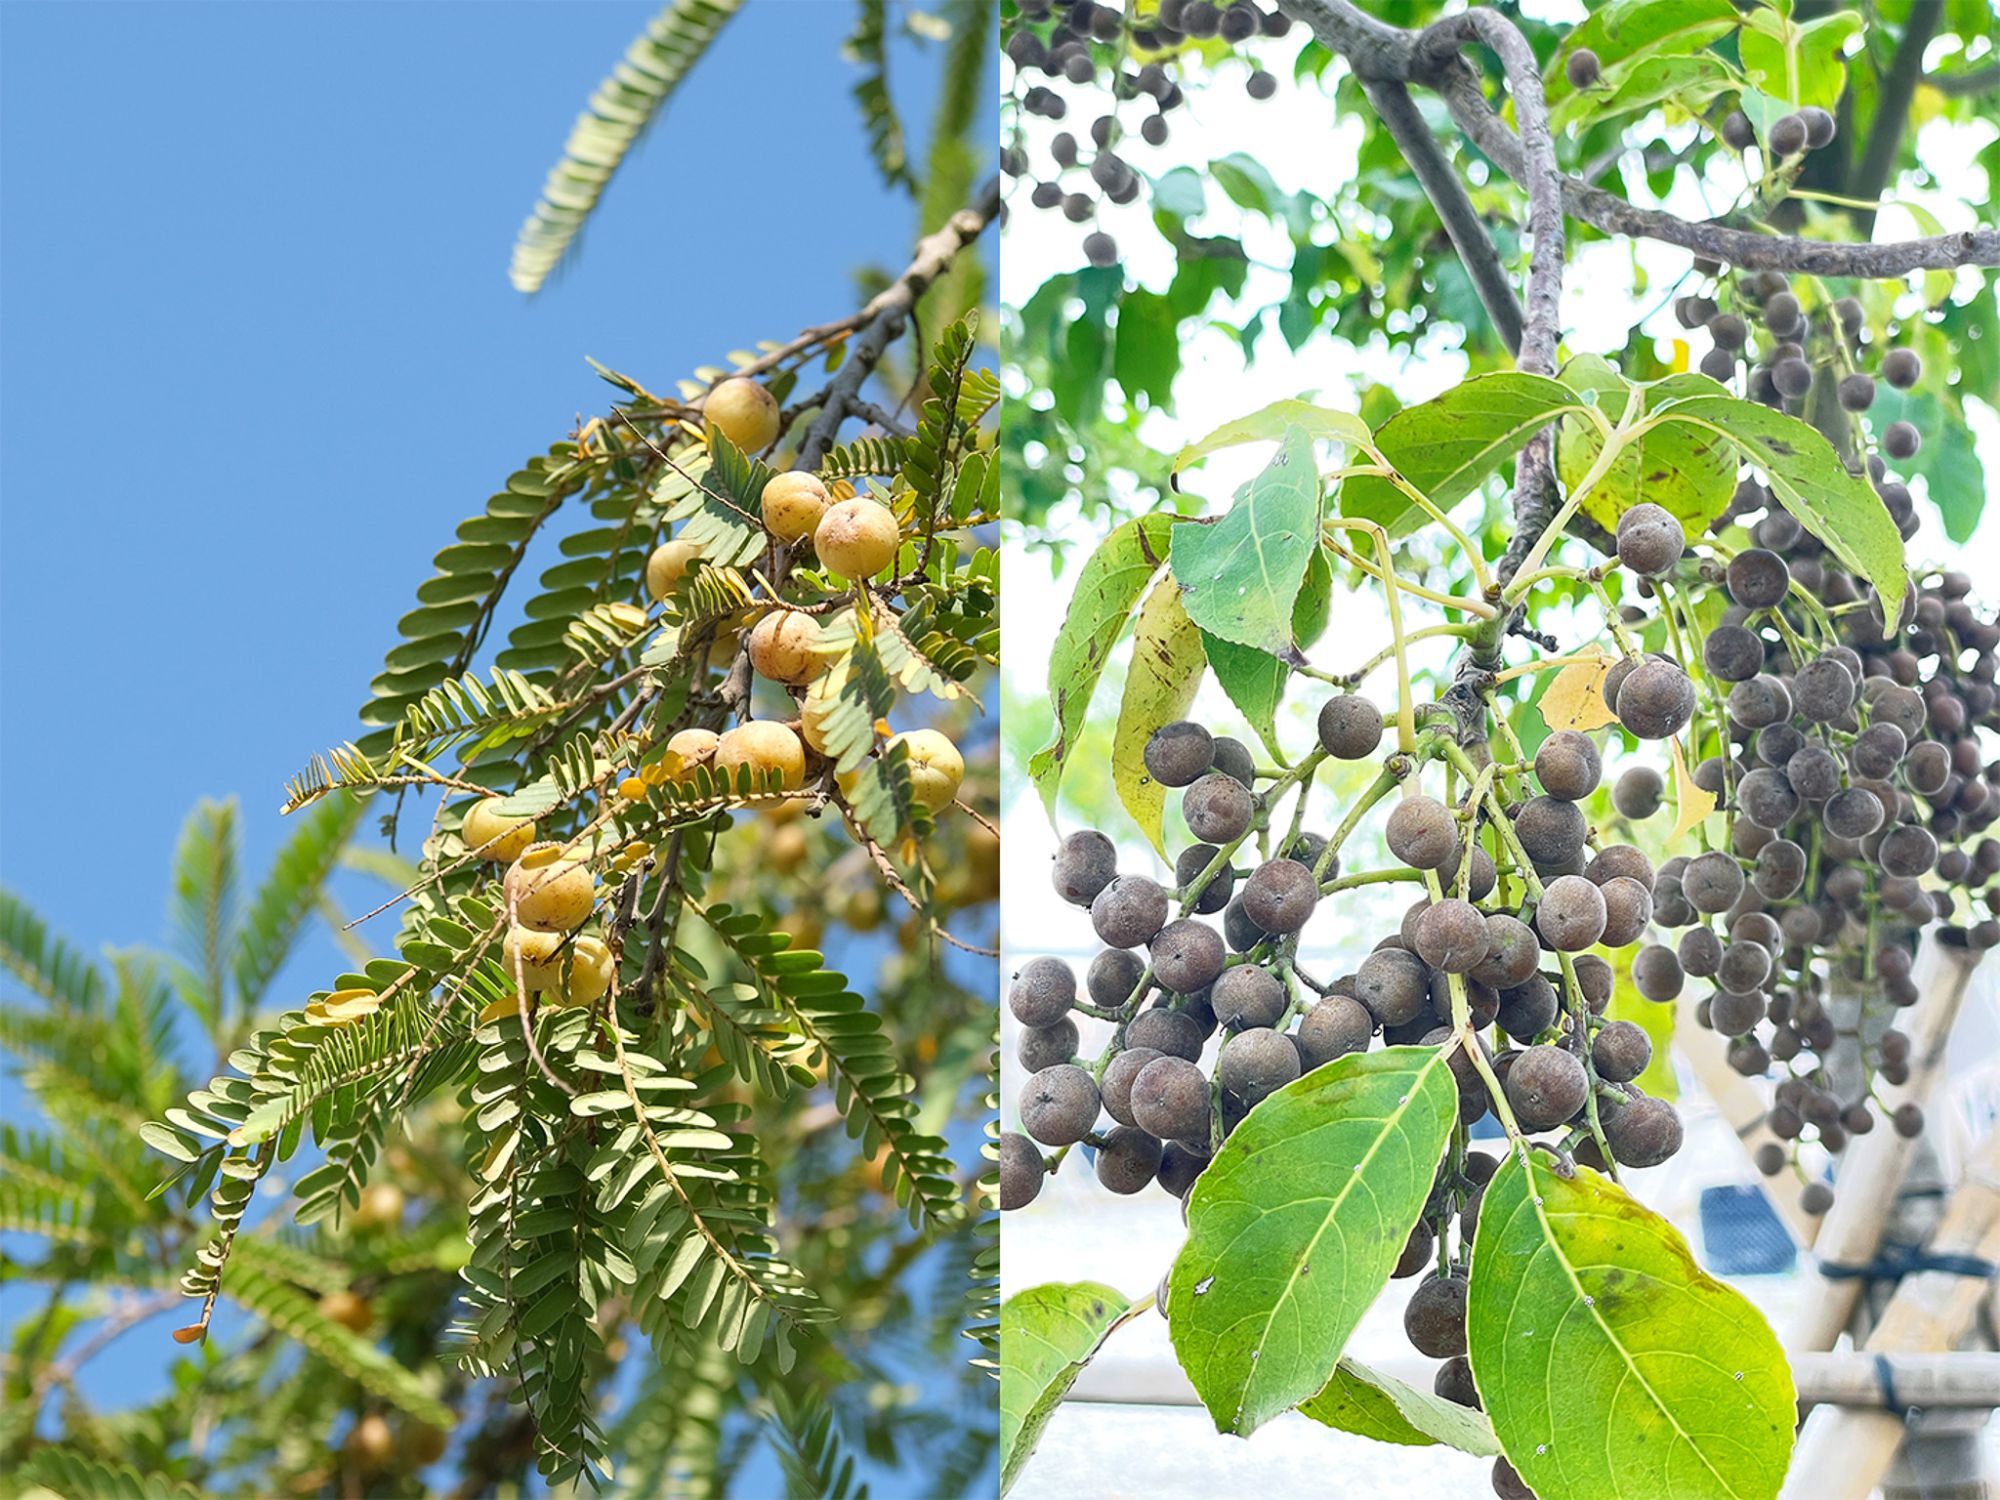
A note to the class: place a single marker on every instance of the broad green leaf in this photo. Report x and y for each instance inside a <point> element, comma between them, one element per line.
<point>1691,472</point>
<point>1447,446</point>
<point>1628,31</point>
<point>1271,423</point>
<point>1107,587</point>
<point>1294,1228</point>
<point>1240,575</point>
<point>1047,1335</point>
<point>1800,64</point>
<point>1611,1365</point>
<point>1948,461</point>
<point>1147,354</point>
<point>1166,670</point>
<point>1382,1407</point>
<point>1804,472</point>
<point>1254,681</point>
<point>1315,602</point>
<point>1642,83</point>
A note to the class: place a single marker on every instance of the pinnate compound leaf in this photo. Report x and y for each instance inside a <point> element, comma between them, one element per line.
<point>1611,1365</point>
<point>1448,445</point>
<point>1167,663</point>
<point>1109,584</point>
<point>1807,476</point>
<point>1688,471</point>
<point>1240,575</point>
<point>1273,422</point>
<point>1047,1335</point>
<point>1294,1228</point>
<point>1379,1406</point>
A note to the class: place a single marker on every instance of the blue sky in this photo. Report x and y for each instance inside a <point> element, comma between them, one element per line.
<point>261,356</point>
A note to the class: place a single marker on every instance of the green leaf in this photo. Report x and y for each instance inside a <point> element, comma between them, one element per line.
<point>1166,670</point>
<point>619,112</point>
<point>1799,64</point>
<point>1627,31</point>
<point>1147,354</point>
<point>1240,575</point>
<point>1655,1019</point>
<point>1804,472</point>
<point>1382,1407</point>
<point>1643,83</point>
<point>1294,1228</point>
<point>290,892</point>
<point>1690,472</point>
<point>1447,446</point>
<point>1254,681</point>
<point>205,903</point>
<point>1271,424</point>
<point>1610,1364</point>
<point>1948,462</point>
<point>1047,1335</point>
<point>1107,587</point>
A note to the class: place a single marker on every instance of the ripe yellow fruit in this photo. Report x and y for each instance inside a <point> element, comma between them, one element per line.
<point>785,647</point>
<point>589,971</point>
<point>532,959</point>
<point>550,891</point>
<point>668,565</point>
<point>381,1206</point>
<point>936,767</point>
<point>856,538</point>
<point>370,1443</point>
<point>821,699</point>
<point>982,861</point>
<point>792,503</point>
<point>491,834</point>
<point>744,412</point>
<point>788,848</point>
<point>349,1309</point>
<point>693,746</point>
<point>423,1444</point>
<point>765,746</point>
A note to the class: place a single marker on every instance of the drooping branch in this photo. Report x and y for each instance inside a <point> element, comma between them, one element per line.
<point>1374,49</point>
<point>1469,237</point>
<point>885,316</point>
<point>1960,85</point>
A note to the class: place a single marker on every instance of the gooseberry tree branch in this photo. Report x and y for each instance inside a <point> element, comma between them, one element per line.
<point>1376,49</point>
<point>886,315</point>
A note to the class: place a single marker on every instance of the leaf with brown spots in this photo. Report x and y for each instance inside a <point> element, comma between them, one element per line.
<point>1167,666</point>
<point>1047,1335</point>
<point>1107,586</point>
<point>1611,1365</point>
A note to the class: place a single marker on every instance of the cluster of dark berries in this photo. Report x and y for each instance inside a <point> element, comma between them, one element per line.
<point>1519,906</point>
<point>1791,349</point>
<point>1790,136</point>
<point>1858,793</point>
<point>1076,47</point>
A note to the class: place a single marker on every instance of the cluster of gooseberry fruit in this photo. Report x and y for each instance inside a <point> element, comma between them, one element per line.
<point>1858,793</point>
<point>1074,45</point>
<point>1503,941</point>
<point>550,888</point>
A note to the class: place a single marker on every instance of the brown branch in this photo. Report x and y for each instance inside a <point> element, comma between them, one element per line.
<point>885,316</point>
<point>1897,89</point>
<point>1374,49</point>
<point>1960,85</point>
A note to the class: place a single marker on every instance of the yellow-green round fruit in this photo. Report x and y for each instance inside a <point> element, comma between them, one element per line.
<point>744,412</point>
<point>349,1309</point>
<point>787,847</point>
<point>793,502</point>
<point>668,565</point>
<point>936,767</point>
<point>765,746</point>
<point>692,746</point>
<point>381,1206</point>
<point>856,538</point>
<point>370,1443</point>
<point>551,891</point>
<point>589,971</point>
<point>493,835</point>
<point>785,647</point>
<point>423,1444</point>
<point>532,959</point>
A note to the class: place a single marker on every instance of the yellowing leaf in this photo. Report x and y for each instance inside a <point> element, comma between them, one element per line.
<point>1691,802</point>
<point>1575,700</point>
<point>1167,665</point>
